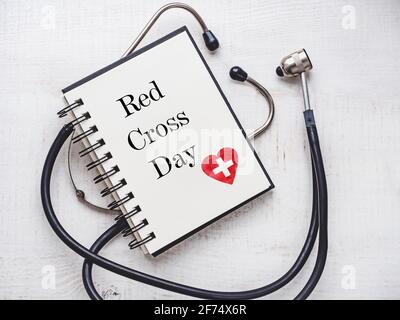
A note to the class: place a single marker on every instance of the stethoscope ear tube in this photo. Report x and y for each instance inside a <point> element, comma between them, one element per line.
<point>318,221</point>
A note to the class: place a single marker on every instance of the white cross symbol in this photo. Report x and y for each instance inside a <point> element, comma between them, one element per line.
<point>223,167</point>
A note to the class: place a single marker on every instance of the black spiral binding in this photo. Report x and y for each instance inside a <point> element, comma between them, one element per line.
<point>104,176</point>
<point>62,113</point>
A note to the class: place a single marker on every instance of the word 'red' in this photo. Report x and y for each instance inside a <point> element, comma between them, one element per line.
<point>144,100</point>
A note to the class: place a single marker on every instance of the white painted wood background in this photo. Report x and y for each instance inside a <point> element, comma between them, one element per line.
<point>46,45</point>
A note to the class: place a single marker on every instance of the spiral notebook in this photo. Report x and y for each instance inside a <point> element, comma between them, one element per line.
<point>167,146</point>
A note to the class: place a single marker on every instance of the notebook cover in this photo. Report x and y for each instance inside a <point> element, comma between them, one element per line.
<point>181,195</point>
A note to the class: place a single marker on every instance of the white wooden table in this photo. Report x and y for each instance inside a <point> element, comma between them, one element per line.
<point>354,45</point>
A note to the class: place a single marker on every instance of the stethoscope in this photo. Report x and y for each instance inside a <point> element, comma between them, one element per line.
<point>293,65</point>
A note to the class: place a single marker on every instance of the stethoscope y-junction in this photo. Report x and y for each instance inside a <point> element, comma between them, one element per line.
<point>293,65</point>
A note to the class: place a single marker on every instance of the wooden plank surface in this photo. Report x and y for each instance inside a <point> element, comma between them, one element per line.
<point>354,45</point>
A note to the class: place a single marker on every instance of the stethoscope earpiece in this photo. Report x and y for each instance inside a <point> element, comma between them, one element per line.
<point>238,74</point>
<point>210,40</point>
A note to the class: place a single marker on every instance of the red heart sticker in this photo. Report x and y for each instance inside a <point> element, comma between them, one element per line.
<point>221,167</point>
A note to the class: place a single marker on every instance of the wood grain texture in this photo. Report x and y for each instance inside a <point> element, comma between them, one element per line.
<point>46,45</point>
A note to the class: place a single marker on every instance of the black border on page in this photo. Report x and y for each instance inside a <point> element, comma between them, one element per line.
<point>144,49</point>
